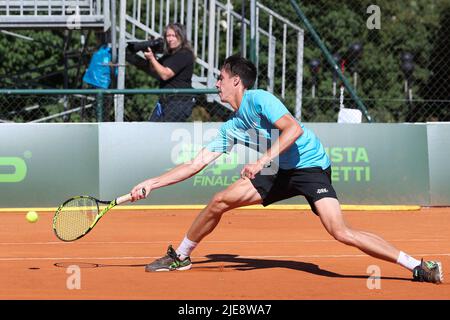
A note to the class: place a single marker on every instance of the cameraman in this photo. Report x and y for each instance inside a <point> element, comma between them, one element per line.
<point>173,70</point>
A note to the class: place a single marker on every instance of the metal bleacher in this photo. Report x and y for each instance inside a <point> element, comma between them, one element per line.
<point>211,26</point>
<point>55,14</point>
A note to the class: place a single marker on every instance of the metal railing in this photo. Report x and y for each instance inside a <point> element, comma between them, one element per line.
<point>70,14</point>
<point>96,105</point>
<point>216,30</point>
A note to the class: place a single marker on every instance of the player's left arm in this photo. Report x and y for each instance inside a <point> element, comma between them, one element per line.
<point>290,131</point>
<point>175,175</point>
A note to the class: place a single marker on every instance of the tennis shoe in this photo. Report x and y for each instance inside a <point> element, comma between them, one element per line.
<point>428,271</point>
<point>170,262</point>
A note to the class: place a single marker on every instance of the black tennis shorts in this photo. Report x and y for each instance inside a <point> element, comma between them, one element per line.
<point>312,183</point>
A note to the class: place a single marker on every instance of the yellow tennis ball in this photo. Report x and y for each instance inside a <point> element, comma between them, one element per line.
<point>32,216</point>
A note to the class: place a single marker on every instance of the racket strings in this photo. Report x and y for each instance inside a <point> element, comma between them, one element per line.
<point>75,218</point>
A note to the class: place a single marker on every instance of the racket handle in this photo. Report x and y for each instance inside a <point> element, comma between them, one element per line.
<point>127,197</point>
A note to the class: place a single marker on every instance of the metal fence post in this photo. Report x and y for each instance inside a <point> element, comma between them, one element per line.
<point>119,99</point>
<point>253,31</point>
<point>211,48</point>
<point>99,109</point>
<point>299,76</point>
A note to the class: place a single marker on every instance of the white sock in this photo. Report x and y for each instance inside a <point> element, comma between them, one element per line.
<point>407,261</point>
<point>185,248</point>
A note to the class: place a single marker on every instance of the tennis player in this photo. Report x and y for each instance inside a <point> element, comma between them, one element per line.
<point>294,164</point>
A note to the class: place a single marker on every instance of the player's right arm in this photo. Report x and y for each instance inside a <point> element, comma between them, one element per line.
<point>177,174</point>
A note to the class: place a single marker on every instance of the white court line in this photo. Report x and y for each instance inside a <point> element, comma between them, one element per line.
<point>211,241</point>
<point>203,257</point>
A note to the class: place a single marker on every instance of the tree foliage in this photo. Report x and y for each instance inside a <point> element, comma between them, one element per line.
<point>418,27</point>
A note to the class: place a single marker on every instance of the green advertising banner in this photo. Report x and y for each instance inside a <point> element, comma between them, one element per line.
<point>439,153</point>
<point>373,164</point>
<point>43,164</point>
<point>133,152</point>
<point>378,163</point>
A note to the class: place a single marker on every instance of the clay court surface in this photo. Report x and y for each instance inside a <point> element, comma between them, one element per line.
<point>252,255</point>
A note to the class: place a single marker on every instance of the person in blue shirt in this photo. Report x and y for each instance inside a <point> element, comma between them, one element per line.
<point>292,162</point>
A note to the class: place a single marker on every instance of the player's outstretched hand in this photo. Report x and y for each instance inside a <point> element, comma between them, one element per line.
<point>141,191</point>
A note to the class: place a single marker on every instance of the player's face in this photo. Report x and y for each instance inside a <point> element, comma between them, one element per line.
<point>225,85</point>
<point>172,40</point>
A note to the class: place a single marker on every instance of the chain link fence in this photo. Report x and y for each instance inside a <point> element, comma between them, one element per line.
<point>277,47</point>
<point>47,108</point>
<point>99,105</point>
<point>396,55</point>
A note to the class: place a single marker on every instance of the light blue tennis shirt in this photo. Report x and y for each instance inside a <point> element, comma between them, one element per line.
<point>253,125</point>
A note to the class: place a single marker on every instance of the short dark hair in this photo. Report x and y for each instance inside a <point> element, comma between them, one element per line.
<point>245,69</point>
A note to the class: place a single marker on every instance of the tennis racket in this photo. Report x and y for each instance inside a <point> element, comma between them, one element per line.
<point>79,215</point>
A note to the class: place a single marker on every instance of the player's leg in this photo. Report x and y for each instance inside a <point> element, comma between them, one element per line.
<point>316,185</point>
<point>331,216</point>
<point>239,194</point>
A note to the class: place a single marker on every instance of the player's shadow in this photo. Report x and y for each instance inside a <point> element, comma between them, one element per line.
<point>246,264</point>
<point>90,265</point>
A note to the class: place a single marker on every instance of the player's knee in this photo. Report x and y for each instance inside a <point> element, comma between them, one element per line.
<point>220,202</point>
<point>344,236</point>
